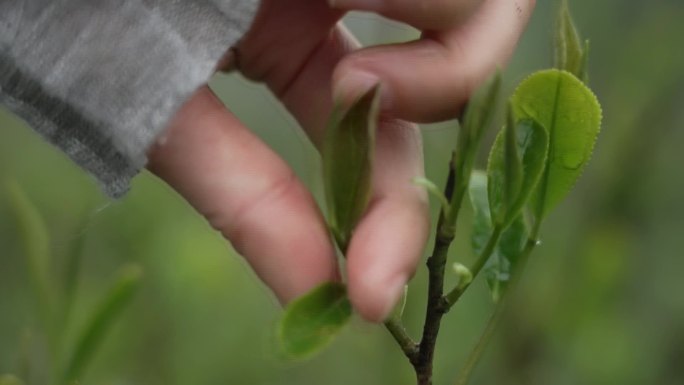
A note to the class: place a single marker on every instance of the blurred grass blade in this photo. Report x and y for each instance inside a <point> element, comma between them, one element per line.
<point>571,115</point>
<point>569,49</point>
<point>478,117</point>
<point>71,274</point>
<point>8,379</point>
<point>348,152</point>
<point>36,244</point>
<point>102,319</point>
<point>25,354</point>
<point>311,322</point>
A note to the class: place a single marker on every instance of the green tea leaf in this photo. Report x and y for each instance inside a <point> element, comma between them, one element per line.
<point>482,222</point>
<point>571,115</point>
<point>347,164</point>
<point>311,322</point>
<point>478,117</point>
<point>505,256</point>
<point>500,266</point>
<point>513,168</point>
<point>504,171</point>
<point>110,308</point>
<point>516,163</point>
<point>569,49</point>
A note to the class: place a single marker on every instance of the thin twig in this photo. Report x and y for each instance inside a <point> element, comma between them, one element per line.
<point>452,297</point>
<point>407,344</point>
<point>435,309</point>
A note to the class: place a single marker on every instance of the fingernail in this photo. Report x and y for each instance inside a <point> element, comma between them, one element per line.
<point>395,290</point>
<point>354,85</point>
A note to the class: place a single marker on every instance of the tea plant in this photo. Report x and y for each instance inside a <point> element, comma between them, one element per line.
<point>553,120</point>
<point>54,297</point>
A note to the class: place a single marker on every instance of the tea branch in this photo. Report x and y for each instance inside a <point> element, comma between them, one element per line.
<point>455,294</point>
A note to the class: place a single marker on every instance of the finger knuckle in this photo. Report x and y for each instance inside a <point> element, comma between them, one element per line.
<point>238,225</point>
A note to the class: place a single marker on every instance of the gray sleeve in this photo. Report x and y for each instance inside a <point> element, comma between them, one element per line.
<point>100,79</point>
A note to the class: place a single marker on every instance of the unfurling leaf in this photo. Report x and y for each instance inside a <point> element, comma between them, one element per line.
<point>478,117</point>
<point>571,54</point>
<point>109,309</point>
<point>311,322</point>
<point>505,256</point>
<point>571,115</point>
<point>465,276</point>
<point>347,164</point>
<point>516,163</point>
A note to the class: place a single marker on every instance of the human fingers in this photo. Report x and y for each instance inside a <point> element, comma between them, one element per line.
<point>247,193</point>
<point>430,79</point>
<point>422,14</point>
<point>389,240</point>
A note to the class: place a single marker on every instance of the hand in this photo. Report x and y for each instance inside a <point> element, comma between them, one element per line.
<point>305,57</point>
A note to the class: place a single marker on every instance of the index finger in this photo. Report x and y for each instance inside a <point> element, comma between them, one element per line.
<point>430,79</point>
<point>424,14</point>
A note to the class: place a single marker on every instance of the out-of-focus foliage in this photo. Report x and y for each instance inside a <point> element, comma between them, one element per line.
<point>601,301</point>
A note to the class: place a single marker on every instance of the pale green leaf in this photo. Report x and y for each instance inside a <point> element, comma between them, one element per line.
<point>516,163</point>
<point>465,276</point>
<point>109,309</point>
<point>571,115</point>
<point>311,322</point>
<point>347,164</point>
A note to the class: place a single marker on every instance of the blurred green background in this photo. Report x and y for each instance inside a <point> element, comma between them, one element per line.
<point>602,300</point>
